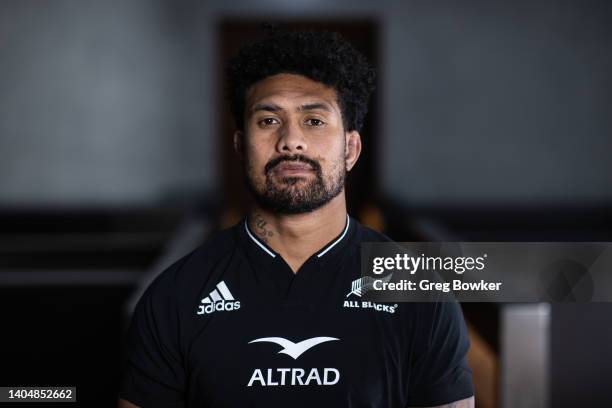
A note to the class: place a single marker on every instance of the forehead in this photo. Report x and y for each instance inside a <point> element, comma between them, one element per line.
<point>290,91</point>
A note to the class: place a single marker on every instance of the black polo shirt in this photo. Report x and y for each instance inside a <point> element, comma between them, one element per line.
<point>231,325</point>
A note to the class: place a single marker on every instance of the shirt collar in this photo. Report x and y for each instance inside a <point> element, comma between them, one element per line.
<point>326,250</point>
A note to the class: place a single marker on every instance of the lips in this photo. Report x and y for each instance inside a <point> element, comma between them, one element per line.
<point>293,166</point>
<point>287,166</point>
<point>292,169</point>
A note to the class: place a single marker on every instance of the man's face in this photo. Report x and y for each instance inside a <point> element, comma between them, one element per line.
<point>294,144</point>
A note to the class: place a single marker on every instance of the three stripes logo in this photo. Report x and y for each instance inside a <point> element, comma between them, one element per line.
<point>220,299</point>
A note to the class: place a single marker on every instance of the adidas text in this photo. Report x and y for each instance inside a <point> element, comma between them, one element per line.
<point>218,306</point>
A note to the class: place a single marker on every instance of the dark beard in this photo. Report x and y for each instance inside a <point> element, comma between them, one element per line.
<point>291,199</point>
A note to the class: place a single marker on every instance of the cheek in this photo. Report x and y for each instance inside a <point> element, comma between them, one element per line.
<point>256,159</point>
<point>329,153</point>
<point>332,160</point>
<point>338,153</point>
<point>329,146</point>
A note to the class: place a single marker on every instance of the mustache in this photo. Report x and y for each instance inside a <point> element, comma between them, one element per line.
<point>295,158</point>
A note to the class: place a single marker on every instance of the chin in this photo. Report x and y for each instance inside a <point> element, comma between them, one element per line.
<point>291,182</point>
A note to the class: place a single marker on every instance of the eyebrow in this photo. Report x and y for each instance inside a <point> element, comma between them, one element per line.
<point>270,107</point>
<point>315,106</point>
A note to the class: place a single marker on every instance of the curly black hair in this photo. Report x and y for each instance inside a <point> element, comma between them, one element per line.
<point>322,56</point>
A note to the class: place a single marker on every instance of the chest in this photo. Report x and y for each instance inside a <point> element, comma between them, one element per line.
<point>256,351</point>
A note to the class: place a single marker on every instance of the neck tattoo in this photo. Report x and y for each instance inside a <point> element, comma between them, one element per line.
<point>262,229</point>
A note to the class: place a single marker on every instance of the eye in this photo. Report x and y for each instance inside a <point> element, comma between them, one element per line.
<point>314,122</point>
<point>268,122</point>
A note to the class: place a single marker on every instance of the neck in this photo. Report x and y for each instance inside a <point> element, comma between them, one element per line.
<point>297,236</point>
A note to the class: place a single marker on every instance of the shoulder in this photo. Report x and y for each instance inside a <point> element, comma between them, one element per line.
<point>370,235</point>
<point>220,245</point>
<point>435,319</point>
<point>195,268</point>
<point>366,234</point>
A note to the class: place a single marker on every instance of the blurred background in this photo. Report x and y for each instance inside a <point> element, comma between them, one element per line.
<point>491,122</point>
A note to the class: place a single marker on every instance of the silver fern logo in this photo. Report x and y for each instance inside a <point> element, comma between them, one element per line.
<point>365,284</point>
<point>362,285</point>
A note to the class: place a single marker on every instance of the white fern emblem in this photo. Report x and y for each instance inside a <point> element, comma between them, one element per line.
<point>362,285</point>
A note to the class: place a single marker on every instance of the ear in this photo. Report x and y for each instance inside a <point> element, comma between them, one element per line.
<point>352,148</point>
<point>239,143</point>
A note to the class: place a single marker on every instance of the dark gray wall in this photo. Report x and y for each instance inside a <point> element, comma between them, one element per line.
<point>101,102</point>
<point>500,102</point>
<point>481,102</point>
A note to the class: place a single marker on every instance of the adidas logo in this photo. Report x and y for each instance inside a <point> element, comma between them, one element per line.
<point>218,300</point>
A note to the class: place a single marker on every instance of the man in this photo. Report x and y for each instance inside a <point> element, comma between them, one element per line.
<point>258,316</point>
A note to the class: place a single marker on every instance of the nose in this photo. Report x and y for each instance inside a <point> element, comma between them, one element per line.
<point>291,139</point>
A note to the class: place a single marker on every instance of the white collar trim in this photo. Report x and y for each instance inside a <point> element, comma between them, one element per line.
<point>320,254</point>
<point>262,246</point>
<point>348,220</point>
